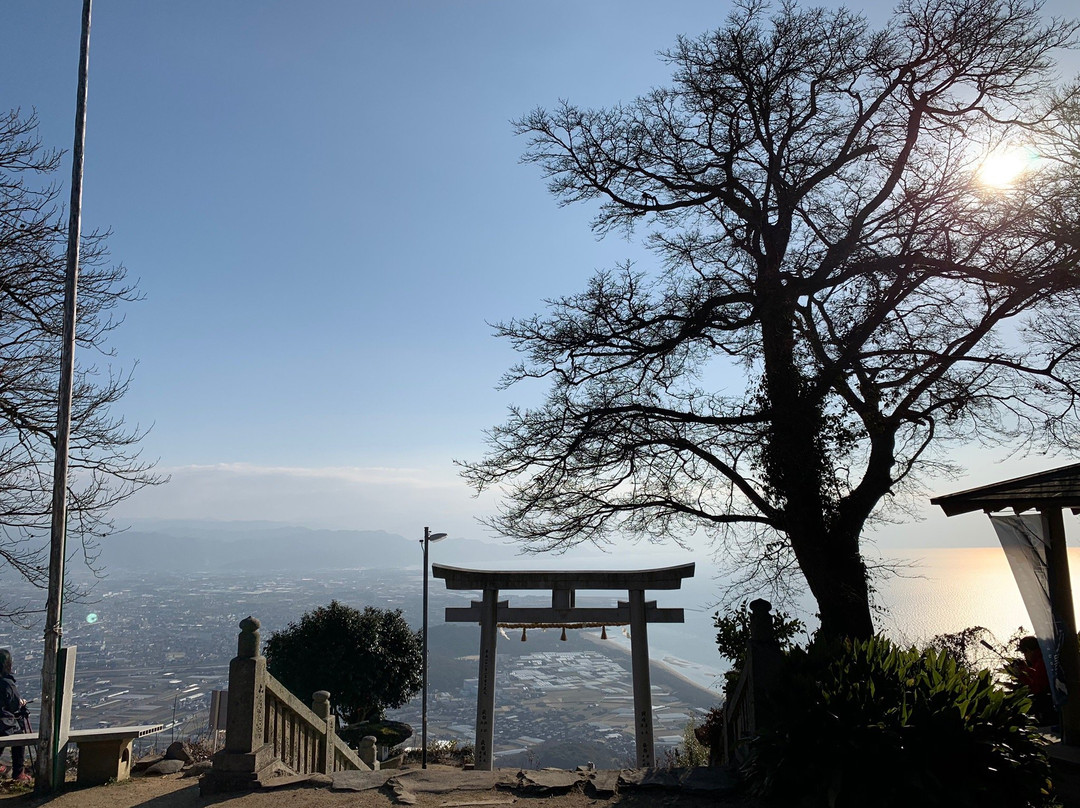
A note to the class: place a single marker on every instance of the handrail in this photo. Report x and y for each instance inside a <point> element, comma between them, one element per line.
<point>295,732</point>
<point>749,708</point>
<point>739,711</point>
<point>277,690</point>
<point>269,728</point>
<point>299,735</point>
<point>345,758</point>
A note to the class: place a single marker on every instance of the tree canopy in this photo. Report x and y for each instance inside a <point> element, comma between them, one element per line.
<point>837,295</point>
<point>105,466</point>
<point>368,660</point>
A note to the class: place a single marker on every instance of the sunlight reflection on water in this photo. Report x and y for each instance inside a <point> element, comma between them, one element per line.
<point>938,590</point>
<point>954,588</point>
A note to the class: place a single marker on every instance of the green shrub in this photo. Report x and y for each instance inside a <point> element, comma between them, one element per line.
<point>387,734</point>
<point>977,648</point>
<point>369,660</point>
<point>450,753</point>
<point>691,753</point>
<point>868,723</point>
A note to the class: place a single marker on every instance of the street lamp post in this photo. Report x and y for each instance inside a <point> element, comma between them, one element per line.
<point>428,538</point>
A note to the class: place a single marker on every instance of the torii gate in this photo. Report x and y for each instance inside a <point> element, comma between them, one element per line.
<point>490,612</point>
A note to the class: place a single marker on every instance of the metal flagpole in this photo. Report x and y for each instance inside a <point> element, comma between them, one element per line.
<point>50,770</point>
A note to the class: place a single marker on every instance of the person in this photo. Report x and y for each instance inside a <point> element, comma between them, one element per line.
<point>12,717</point>
<point>1032,674</point>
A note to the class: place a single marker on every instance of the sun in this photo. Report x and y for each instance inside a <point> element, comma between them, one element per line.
<point>1002,168</point>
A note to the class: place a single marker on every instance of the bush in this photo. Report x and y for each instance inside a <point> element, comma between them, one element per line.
<point>868,723</point>
<point>977,648</point>
<point>387,734</point>
<point>710,734</point>
<point>369,660</point>
<point>447,753</point>
<point>691,753</point>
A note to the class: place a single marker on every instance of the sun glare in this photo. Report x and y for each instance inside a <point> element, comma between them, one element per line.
<point>1002,168</point>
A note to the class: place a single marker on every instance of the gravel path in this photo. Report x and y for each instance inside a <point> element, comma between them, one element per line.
<point>177,791</point>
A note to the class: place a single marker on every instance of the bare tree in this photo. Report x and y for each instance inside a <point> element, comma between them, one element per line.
<point>821,232</point>
<point>105,465</point>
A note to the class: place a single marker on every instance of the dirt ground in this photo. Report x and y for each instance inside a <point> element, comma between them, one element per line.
<point>176,791</point>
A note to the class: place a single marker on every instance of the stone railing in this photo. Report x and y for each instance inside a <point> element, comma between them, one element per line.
<point>301,738</point>
<point>739,713</point>
<point>749,708</point>
<point>268,730</point>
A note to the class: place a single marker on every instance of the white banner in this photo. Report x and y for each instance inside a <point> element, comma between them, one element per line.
<point>1027,550</point>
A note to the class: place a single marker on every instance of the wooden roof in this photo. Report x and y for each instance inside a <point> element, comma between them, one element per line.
<point>1058,488</point>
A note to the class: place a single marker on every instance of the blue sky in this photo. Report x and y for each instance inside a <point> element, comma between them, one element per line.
<point>323,204</point>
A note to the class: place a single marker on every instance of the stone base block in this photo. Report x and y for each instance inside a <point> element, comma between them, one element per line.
<point>234,771</point>
<point>102,761</point>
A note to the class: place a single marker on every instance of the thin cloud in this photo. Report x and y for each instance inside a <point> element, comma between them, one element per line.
<point>398,500</point>
<point>364,475</point>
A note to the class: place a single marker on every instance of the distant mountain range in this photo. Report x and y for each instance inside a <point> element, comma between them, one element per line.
<point>205,546</point>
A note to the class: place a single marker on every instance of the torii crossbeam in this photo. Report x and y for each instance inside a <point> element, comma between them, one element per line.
<point>490,612</point>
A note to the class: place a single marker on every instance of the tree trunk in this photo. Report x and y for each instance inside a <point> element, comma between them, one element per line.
<point>796,468</point>
<point>836,575</point>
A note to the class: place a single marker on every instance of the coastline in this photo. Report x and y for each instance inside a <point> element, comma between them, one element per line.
<point>664,674</point>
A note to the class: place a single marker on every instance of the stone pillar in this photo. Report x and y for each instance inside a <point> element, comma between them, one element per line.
<point>368,753</point>
<point>246,758</point>
<point>320,705</point>
<point>761,626</point>
<point>485,685</point>
<point>639,659</point>
<point>765,658</point>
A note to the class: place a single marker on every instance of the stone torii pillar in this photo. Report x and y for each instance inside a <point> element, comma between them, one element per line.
<point>490,612</point>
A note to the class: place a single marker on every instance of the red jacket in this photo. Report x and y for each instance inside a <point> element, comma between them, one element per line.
<point>1034,676</point>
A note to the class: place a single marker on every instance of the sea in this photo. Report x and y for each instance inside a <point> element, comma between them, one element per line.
<point>931,591</point>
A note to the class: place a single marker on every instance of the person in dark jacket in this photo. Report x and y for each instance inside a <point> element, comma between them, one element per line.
<point>12,717</point>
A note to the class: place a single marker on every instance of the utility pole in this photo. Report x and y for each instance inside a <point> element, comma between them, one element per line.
<point>50,764</point>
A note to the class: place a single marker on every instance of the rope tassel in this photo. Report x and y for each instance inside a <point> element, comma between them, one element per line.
<point>563,637</point>
<point>523,637</point>
<point>603,633</point>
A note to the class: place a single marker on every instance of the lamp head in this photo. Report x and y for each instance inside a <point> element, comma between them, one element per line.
<point>436,536</point>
